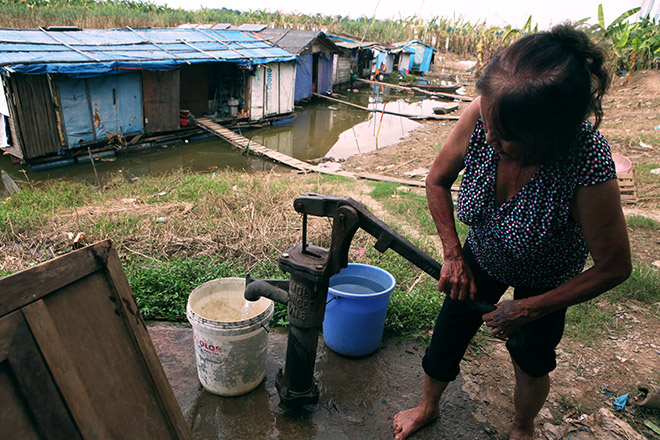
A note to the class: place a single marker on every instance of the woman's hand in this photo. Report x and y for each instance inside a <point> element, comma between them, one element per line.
<point>456,280</point>
<point>508,316</point>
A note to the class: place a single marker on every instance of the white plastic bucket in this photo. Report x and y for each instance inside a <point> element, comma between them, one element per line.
<point>230,335</point>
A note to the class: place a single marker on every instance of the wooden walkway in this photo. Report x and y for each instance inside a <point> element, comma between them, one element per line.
<point>244,144</point>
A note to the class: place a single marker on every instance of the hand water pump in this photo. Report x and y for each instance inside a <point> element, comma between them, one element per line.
<point>310,268</point>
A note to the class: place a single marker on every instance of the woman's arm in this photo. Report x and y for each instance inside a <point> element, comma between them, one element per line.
<point>598,210</point>
<point>455,278</point>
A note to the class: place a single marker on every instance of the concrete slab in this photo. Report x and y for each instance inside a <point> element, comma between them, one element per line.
<point>358,397</point>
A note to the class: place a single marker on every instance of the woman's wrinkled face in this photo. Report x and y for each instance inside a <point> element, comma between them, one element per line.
<point>503,146</point>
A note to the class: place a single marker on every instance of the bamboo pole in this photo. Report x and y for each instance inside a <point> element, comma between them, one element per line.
<point>417,89</point>
<point>373,110</point>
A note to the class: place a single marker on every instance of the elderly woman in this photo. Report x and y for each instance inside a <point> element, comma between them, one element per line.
<point>539,193</point>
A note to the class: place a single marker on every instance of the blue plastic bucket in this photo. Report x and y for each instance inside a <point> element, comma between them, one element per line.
<point>357,306</point>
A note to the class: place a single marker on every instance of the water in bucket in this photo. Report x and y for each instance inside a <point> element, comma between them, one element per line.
<point>230,336</point>
<point>355,314</point>
<point>357,285</point>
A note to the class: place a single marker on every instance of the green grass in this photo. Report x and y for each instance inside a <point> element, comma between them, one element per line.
<point>26,209</point>
<point>644,175</point>
<point>643,285</point>
<point>162,273</point>
<point>162,287</point>
<point>412,207</point>
<point>586,322</point>
<point>643,223</point>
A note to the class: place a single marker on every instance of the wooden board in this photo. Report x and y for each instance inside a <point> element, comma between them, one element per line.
<point>76,361</point>
<point>627,187</point>
<point>194,88</point>
<point>34,114</point>
<point>160,92</point>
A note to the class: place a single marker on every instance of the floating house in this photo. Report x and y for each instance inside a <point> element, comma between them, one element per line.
<point>316,54</point>
<point>392,58</point>
<point>423,56</point>
<point>68,88</point>
<point>355,58</point>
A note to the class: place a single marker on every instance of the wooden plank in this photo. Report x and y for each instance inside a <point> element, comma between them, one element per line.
<point>37,115</point>
<point>160,92</point>
<point>167,400</point>
<point>15,417</point>
<point>388,112</point>
<point>7,328</point>
<point>27,286</point>
<point>94,348</point>
<point>247,145</point>
<point>15,420</point>
<point>96,335</point>
<point>394,86</point>
<point>35,384</point>
<point>64,371</point>
<point>627,187</point>
<point>382,178</point>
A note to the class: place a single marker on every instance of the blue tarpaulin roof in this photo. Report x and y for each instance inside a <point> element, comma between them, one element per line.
<point>95,52</point>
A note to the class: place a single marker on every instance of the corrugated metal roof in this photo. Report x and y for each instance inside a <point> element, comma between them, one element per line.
<point>418,42</point>
<point>397,47</point>
<point>90,52</point>
<point>252,27</point>
<point>349,42</point>
<point>297,41</point>
<point>204,26</point>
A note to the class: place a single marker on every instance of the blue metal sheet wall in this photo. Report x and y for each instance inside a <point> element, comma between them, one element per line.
<point>304,77</point>
<point>324,80</point>
<point>95,107</point>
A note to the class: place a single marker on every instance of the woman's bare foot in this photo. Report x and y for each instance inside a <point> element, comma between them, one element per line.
<point>408,421</point>
<point>519,432</point>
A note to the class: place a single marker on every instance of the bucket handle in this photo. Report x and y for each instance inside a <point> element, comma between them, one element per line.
<point>264,327</point>
<point>333,297</point>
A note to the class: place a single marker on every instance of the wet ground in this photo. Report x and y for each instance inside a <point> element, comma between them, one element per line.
<point>358,397</point>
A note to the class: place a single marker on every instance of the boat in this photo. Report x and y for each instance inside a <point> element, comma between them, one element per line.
<point>447,88</point>
<point>445,109</point>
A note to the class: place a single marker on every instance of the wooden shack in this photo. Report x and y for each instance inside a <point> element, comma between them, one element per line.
<point>355,58</point>
<point>68,88</point>
<point>422,58</point>
<point>392,58</point>
<point>315,51</point>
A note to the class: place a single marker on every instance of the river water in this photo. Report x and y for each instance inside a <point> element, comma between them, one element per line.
<point>321,128</point>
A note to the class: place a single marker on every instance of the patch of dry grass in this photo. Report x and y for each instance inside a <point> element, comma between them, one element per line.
<point>228,216</point>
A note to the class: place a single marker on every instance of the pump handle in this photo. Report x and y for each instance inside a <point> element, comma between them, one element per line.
<point>349,215</point>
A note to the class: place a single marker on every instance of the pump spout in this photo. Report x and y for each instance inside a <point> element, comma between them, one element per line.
<point>277,290</point>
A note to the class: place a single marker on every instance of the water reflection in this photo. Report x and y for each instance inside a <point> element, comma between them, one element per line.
<point>335,131</point>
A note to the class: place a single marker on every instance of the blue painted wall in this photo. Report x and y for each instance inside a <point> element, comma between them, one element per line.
<point>115,101</point>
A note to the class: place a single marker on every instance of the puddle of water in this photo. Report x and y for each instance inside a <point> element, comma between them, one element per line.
<point>320,129</point>
<point>423,107</point>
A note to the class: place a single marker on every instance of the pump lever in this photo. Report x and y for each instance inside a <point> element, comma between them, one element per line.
<point>322,205</point>
<point>349,215</point>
